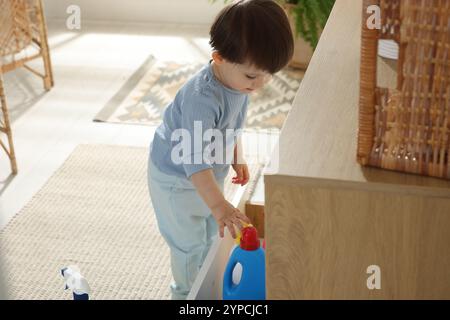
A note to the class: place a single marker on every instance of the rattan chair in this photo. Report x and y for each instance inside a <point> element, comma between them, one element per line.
<point>407,128</point>
<point>22,30</point>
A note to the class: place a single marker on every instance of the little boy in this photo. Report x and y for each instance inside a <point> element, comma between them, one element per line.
<point>251,40</point>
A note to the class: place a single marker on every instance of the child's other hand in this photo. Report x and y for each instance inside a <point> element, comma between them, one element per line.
<point>228,216</point>
<point>242,174</point>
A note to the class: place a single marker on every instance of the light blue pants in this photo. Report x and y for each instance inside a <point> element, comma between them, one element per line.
<point>186,224</point>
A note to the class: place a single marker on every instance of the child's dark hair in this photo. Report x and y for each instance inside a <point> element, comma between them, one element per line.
<point>254,31</point>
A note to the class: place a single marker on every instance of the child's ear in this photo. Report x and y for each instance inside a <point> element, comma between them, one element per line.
<point>218,59</point>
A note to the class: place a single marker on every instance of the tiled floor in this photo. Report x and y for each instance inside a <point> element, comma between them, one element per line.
<point>89,67</point>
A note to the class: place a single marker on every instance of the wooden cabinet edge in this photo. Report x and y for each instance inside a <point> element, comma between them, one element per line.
<point>435,192</point>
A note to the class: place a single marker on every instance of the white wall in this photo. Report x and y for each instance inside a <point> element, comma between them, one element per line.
<point>174,11</point>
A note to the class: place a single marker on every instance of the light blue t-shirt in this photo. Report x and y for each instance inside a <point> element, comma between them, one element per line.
<point>202,104</point>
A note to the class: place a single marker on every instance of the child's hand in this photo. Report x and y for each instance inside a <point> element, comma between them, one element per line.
<point>242,174</point>
<point>228,216</point>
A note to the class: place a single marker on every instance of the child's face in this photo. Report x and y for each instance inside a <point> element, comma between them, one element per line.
<point>243,77</point>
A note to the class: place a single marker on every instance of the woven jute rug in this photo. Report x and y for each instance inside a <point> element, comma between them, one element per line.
<point>94,212</point>
<point>145,95</point>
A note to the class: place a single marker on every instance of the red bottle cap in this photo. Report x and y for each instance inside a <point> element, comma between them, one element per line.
<point>249,239</point>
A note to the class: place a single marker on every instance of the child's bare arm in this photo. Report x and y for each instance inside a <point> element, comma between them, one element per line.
<point>224,213</point>
<point>239,165</point>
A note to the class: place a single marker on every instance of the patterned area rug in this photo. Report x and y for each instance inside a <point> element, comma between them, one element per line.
<point>94,212</point>
<point>143,98</point>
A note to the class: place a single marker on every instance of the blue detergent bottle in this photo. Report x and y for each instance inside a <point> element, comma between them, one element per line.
<point>252,285</point>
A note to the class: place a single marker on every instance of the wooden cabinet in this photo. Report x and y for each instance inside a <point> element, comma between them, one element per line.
<point>328,220</point>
